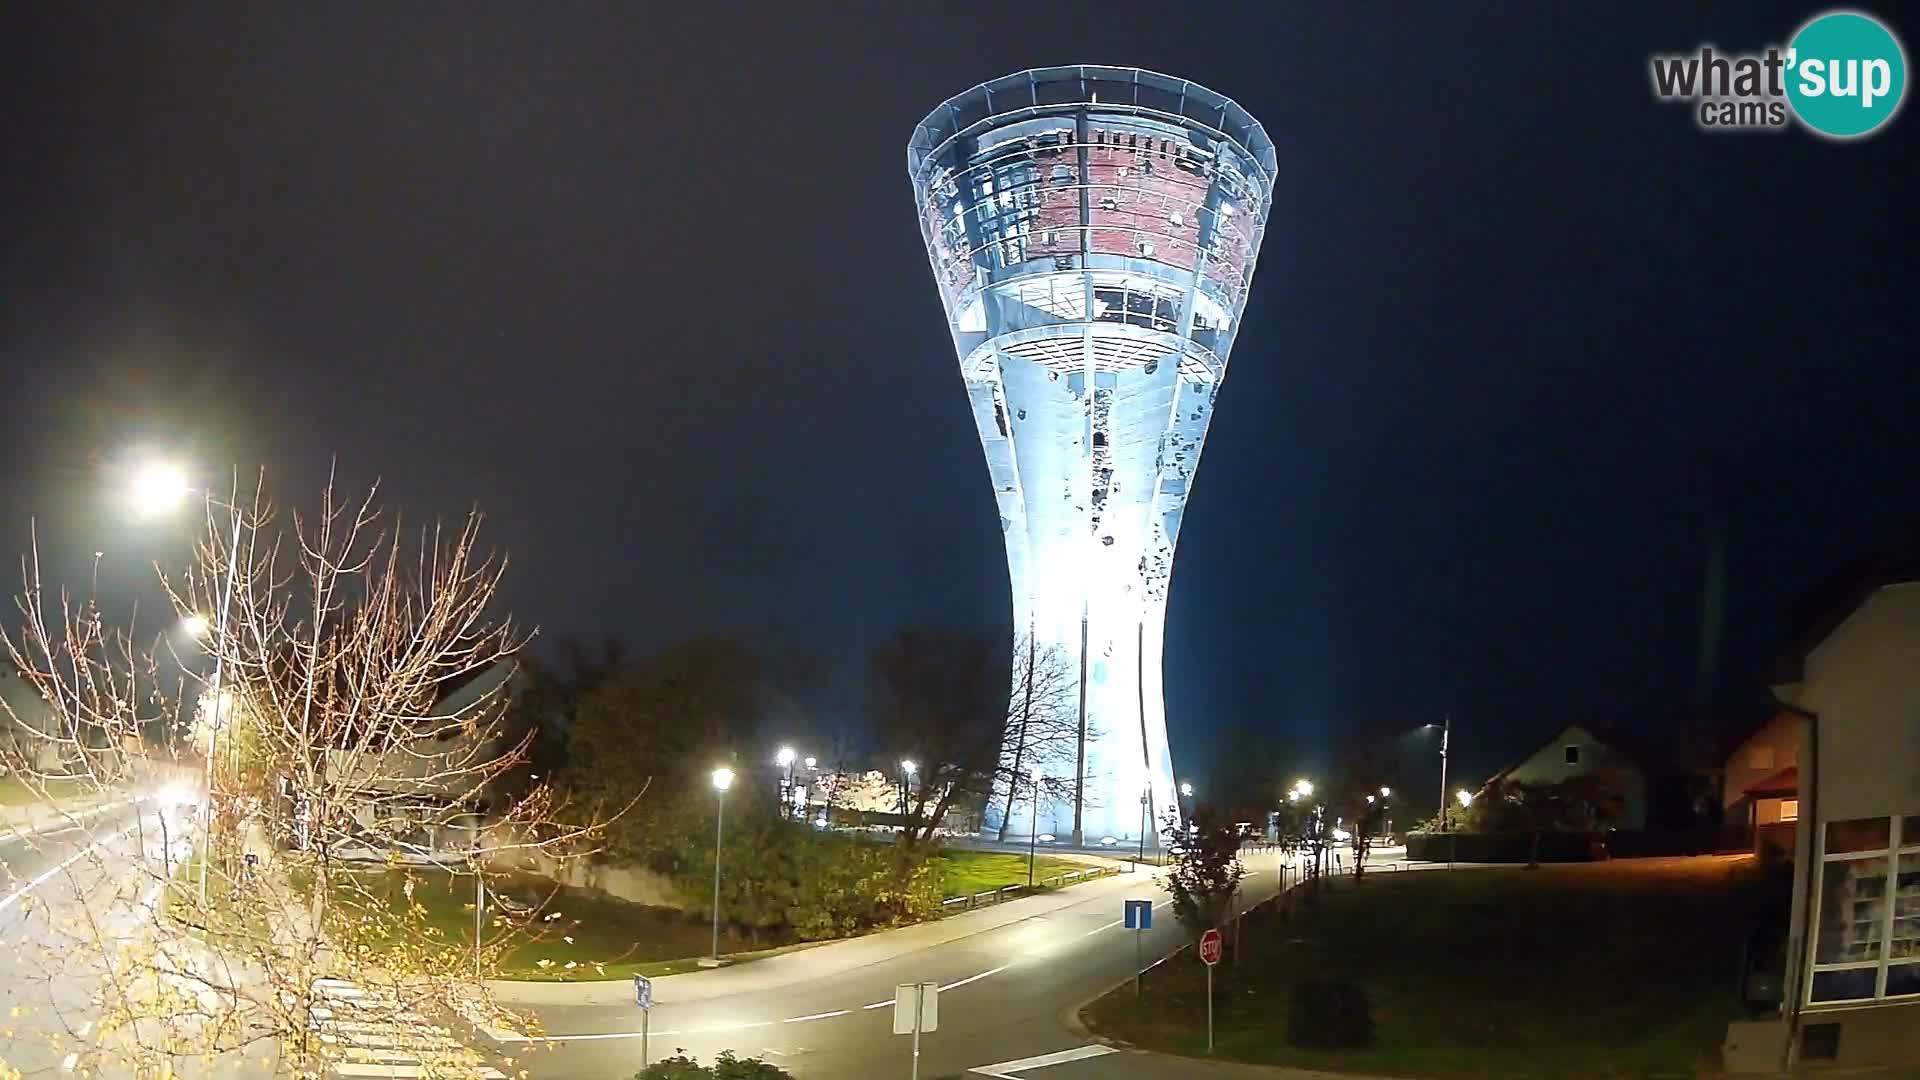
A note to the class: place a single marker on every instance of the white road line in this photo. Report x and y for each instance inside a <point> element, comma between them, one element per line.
<point>815,1016</point>
<point>1006,1069</point>
<point>13,897</point>
<point>974,978</point>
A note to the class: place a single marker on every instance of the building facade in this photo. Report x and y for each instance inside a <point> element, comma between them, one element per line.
<point>1093,233</point>
<point>1761,785</point>
<point>1575,752</point>
<point>1853,979</point>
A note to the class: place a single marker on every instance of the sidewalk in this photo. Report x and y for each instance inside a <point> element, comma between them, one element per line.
<point>811,965</point>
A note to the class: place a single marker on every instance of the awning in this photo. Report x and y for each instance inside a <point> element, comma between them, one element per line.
<point>1783,784</point>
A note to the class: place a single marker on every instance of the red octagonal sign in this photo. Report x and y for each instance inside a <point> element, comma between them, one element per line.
<point>1210,947</point>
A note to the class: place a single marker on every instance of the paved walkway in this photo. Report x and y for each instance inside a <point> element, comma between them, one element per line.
<point>809,965</point>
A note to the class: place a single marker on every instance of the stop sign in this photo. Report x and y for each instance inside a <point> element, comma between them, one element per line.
<point>1210,947</point>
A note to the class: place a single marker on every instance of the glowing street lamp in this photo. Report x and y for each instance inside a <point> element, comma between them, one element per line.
<point>907,769</point>
<point>722,780</point>
<point>1465,797</point>
<point>1186,789</point>
<point>196,626</point>
<point>785,759</point>
<point>1303,787</point>
<point>159,488</point>
<point>1386,792</point>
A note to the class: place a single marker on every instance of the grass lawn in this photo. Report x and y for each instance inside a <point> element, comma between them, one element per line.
<point>1624,968</point>
<point>965,872</point>
<point>15,791</point>
<point>612,939</point>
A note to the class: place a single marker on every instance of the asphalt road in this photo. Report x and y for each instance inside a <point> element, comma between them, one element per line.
<point>1003,994</point>
<point>96,874</point>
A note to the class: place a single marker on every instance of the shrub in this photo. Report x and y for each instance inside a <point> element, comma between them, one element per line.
<point>1329,1013</point>
<point>727,1067</point>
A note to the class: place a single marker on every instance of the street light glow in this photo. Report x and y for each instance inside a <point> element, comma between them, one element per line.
<point>722,779</point>
<point>1386,792</point>
<point>159,487</point>
<point>1304,787</point>
<point>812,763</point>
<point>1465,797</point>
<point>1186,789</point>
<point>195,626</point>
<point>785,756</point>
<point>907,766</point>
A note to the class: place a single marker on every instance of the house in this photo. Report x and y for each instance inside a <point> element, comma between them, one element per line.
<point>1761,784</point>
<point>1575,751</point>
<point>1851,987</point>
<point>424,798</point>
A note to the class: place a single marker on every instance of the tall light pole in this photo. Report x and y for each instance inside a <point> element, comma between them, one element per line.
<point>785,759</point>
<point>907,769</point>
<point>1033,837</point>
<point>1446,736</point>
<point>159,488</point>
<point>722,780</point>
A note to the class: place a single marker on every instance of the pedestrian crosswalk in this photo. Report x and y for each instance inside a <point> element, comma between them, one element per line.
<point>367,1033</point>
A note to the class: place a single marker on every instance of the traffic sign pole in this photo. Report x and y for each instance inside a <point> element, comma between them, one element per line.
<point>1210,955</point>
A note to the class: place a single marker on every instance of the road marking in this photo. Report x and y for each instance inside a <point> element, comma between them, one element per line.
<point>1006,1069</point>
<point>815,1016</point>
<point>13,897</point>
<point>974,978</point>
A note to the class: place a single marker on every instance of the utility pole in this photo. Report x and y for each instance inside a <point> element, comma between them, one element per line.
<point>1446,735</point>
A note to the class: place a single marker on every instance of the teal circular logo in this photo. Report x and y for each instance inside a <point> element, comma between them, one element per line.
<point>1845,74</point>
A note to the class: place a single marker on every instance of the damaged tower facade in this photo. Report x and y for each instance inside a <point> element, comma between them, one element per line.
<point>1093,232</point>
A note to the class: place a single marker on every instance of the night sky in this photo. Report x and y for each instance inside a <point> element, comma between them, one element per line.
<point>648,288</point>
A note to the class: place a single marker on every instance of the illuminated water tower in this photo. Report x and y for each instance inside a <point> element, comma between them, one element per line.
<point>1093,231</point>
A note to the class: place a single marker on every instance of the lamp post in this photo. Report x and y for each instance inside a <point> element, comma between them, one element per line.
<point>1446,737</point>
<point>722,780</point>
<point>159,488</point>
<point>1386,812</point>
<point>785,759</point>
<point>1033,837</point>
<point>907,769</point>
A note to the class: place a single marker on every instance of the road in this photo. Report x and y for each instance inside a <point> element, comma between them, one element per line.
<point>1004,991</point>
<point>93,873</point>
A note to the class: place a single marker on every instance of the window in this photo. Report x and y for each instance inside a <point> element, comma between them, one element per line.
<point>1573,755</point>
<point>1760,758</point>
<point>1789,809</point>
<point>1867,918</point>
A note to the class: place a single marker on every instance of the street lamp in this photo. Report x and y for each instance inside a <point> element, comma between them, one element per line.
<point>1465,797</point>
<point>195,626</point>
<point>1303,787</point>
<point>1033,837</point>
<point>907,769</point>
<point>159,488</point>
<point>784,759</point>
<point>722,780</point>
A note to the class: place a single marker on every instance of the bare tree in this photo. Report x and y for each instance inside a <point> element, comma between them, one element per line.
<point>348,721</point>
<point>1042,728</point>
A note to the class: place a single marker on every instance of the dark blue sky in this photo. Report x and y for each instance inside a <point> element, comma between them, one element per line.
<point>648,287</point>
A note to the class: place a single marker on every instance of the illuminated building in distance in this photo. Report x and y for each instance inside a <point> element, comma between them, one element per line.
<point>1093,232</point>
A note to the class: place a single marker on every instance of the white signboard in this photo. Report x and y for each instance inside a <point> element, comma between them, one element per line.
<point>906,996</point>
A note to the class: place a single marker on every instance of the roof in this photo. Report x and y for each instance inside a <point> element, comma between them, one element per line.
<point>1627,746</point>
<point>1784,782</point>
<point>1831,600</point>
